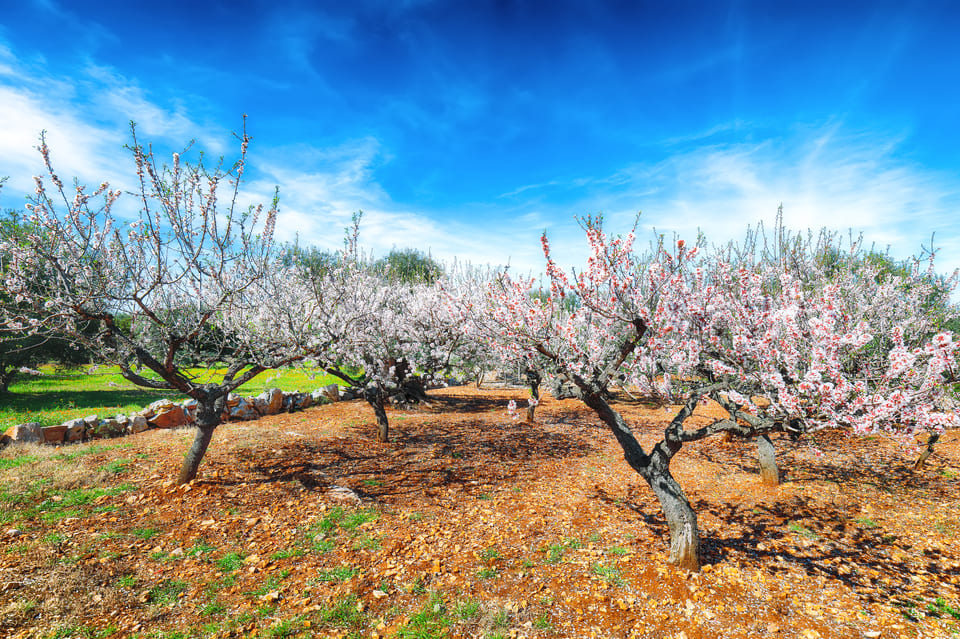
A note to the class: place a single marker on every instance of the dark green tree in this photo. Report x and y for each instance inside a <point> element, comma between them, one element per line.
<point>408,266</point>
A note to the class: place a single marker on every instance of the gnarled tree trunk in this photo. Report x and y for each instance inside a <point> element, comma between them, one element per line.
<point>6,377</point>
<point>655,470</point>
<point>931,442</point>
<point>534,380</point>
<point>681,519</point>
<point>191,462</point>
<point>378,402</point>
<point>209,409</point>
<point>767,456</point>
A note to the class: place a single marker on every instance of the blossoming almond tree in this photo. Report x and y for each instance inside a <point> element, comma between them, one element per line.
<point>383,338</point>
<point>823,334</point>
<point>159,286</point>
<point>691,326</point>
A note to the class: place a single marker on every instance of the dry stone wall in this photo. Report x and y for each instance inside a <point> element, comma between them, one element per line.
<point>165,413</point>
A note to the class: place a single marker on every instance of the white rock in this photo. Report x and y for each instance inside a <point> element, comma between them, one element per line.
<point>137,425</point>
<point>342,493</point>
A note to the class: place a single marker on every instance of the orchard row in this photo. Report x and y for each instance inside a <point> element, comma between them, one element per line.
<point>786,332</point>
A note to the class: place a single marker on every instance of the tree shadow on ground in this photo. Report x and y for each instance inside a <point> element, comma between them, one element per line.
<point>850,462</point>
<point>463,457</point>
<point>92,399</point>
<point>440,403</point>
<point>816,539</point>
<point>823,541</point>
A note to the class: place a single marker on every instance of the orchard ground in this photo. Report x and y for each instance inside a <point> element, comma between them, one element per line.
<point>471,525</point>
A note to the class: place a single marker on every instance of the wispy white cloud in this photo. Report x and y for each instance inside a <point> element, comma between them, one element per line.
<point>322,189</point>
<point>824,176</point>
<point>85,113</point>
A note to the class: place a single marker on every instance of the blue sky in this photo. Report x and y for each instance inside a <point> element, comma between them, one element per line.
<point>468,128</point>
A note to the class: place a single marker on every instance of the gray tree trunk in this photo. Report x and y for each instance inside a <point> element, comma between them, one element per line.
<point>767,455</point>
<point>209,409</point>
<point>655,469</point>
<point>533,379</point>
<point>191,463</point>
<point>681,519</point>
<point>934,438</point>
<point>378,403</point>
<point>6,377</point>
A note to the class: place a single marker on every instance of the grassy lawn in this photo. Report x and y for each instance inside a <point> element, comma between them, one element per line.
<point>59,395</point>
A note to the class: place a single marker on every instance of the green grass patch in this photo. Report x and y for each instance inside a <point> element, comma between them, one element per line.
<point>200,548</point>
<point>320,537</point>
<point>355,519</point>
<point>490,554</point>
<point>16,462</point>
<point>271,584</point>
<point>542,622</point>
<point>555,552</point>
<point>127,581</point>
<point>343,613</point>
<point>230,562</point>
<point>940,608</point>
<point>60,395</point>
<point>467,610</point>
<point>431,622</point>
<point>167,592</point>
<point>288,553</point>
<point>609,573</point>
<point>54,538</point>
<point>367,542</point>
<point>212,608</point>
<point>67,503</point>
<point>341,573</point>
<point>285,628</point>
<point>145,533</point>
<point>77,452</point>
<point>117,466</point>
<point>323,546</point>
<point>84,632</point>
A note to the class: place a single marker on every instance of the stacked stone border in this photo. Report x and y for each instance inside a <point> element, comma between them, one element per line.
<point>165,414</point>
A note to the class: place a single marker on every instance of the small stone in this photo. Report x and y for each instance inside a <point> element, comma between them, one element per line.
<point>76,428</point>
<point>341,493</point>
<point>137,425</point>
<point>331,392</point>
<point>14,532</point>
<point>29,432</point>
<point>269,402</point>
<point>171,416</point>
